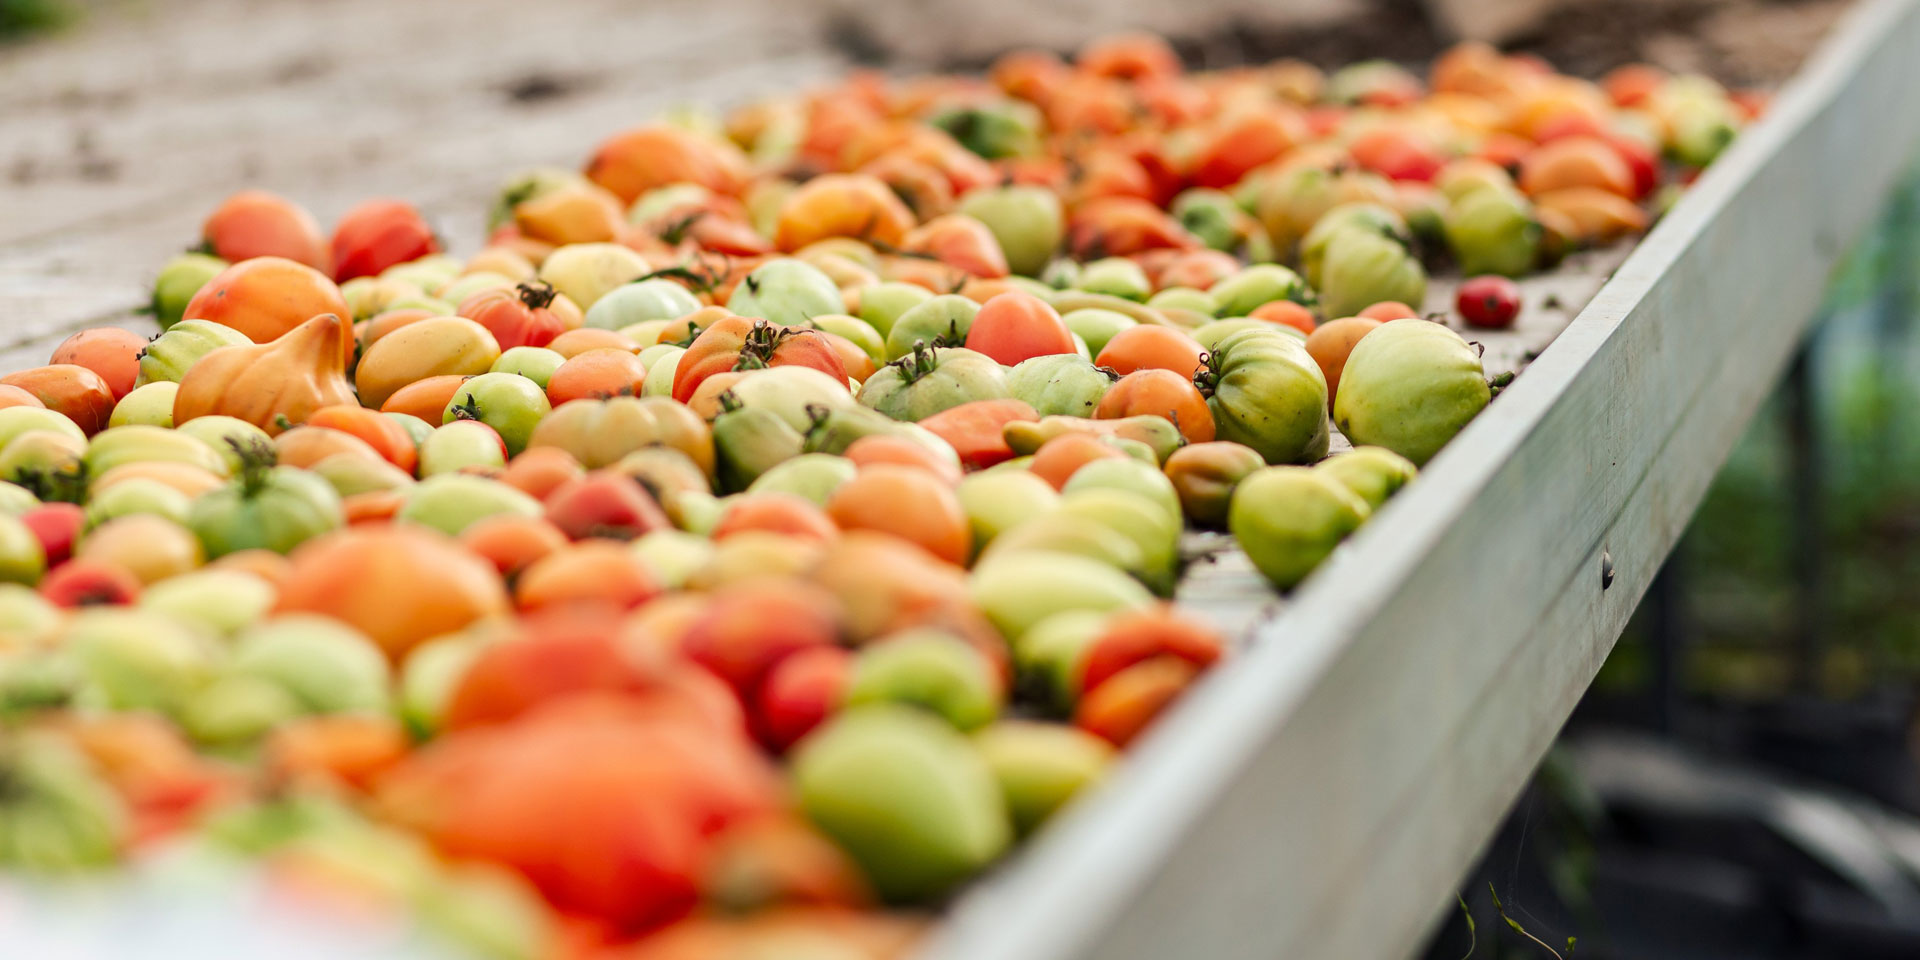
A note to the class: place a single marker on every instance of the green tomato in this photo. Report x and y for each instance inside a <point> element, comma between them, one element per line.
<point>660,370</point>
<point>585,272</point>
<point>1373,473</point>
<point>660,201</point>
<point>652,355</point>
<point>328,666</point>
<point>1493,231</point>
<point>647,333</point>
<point>530,184</point>
<point>1702,125</point>
<point>998,501</point>
<point>452,502</point>
<point>1115,277</point>
<point>150,404</point>
<point>1132,476</point>
<point>786,291</point>
<point>748,443</point>
<point>929,669</point>
<point>22,560</point>
<point>179,280</point>
<point>1022,588</point>
<point>138,660</point>
<point>226,436</point>
<point>508,402</point>
<point>857,331</point>
<point>1364,268</point>
<point>1059,384</point>
<point>1142,518</point>
<point>355,473</point>
<point>814,476</point>
<point>174,352</point>
<point>939,321</point>
<point>883,303</point>
<point>1410,390</point>
<point>1244,292</point>
<point>268,508</point>
<point>673,555</point>
<point>428,677</point>
<point>417,429</point>
<point>1063,533</point>
<point>1288,519</point>
<point>1096,326</point>
<point>15,421</point>
<point>994,130</point>
<point>117,446</point>
<point>1061,274</point>
<point>1368,217</point>
<point>235,710</point>
<point>15,499</point>
<point>59,818</point>
<point>1185,298</point>
<point>1210,215</point>
<point>1041,767</point>
<point>27,619</point>
<point>134,496</point>
<point>1028,221</point>
<point>633,303</point>
<point>1267,392</point>
<point>368,297</point>
<point>932,380</point>
<point>459,444</point>
<point>906,796</point>
<point>38,455</point>
<point>792,392</point>
<point>1211,334</point>
<point>534,363</point>
<point>219,602</point>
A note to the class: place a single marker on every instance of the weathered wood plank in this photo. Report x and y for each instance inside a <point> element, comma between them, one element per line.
<point>1322,796</point>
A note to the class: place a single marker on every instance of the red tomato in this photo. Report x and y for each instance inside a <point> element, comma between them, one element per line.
<point>255,223</point>
<point>800,693</point>
<point>519,316</point>
<point>379,234</point>
<point>605,504</point>
<point>56,526</point>
<point>1018,326</point>
<point>1490,302</point>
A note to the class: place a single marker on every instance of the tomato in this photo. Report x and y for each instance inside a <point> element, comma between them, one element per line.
<point>801,692</point>
<point>598,433</point>
<point>1491,231</point>
<point>737,343</point>
<point>265,297</point>
<point>1491,302</point>
<point>633,303</point>
<point>1579,161</point>
<point>512,542</point>
<point>634,162</point>
<point>903,451</point>
<point>268,507</point>
<point>398,584</point>
<point>459,445</point>
<point>1205,474</point>
<point>149,546</point>
<point>1285,313</point>
<point>111,352</point>
<point>1161,393</point>
<point>12,396</point>
<point>422,399</point>
<point>435,347</point>
<point>783,513</point>
<point>604,504</point>
<point>960,241</point>
<point>942,321</point>
<point>906,502</point>
<point>593,574</point>
<point>1016,326</point>
<point>1266,391</point>
<point>509,403</point>
<point>1151,347</point>
<point>255,223</point>
<point>933,380</point>
<point>57,526</point>
<point>519,316</point>
<point>379,234</point>
<point>385,434</point>
<point>1060,458</point>
<point>1289,519</point>
<point>22,559</point>
<point>1409,386</point>
<point>596,375</point>
<point>1330,345</point>
<point>1123,707</point>
<point>786,291</point>
<point>842,205</point>
<point>150,405</point>
<point>179,280</point>
<point>75,392</point>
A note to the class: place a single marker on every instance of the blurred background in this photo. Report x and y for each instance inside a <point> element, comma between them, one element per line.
<point>1740,782</point>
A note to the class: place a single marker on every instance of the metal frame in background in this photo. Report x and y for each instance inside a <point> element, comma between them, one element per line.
<point>1322,796</point>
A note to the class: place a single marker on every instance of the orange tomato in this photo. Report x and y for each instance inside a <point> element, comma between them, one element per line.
<point>511,542</point>
<point>842,205</point>
<point>594,573</point>
<point>977,431</point>
<point>347,748</point>
<point>426,399</point>
<point>303,446</point>
<point>267,296</point>
<point>400,585</point>
<point>538,471</point>
<point>596,375</point>
<point>1129,56</point>
<point>908,503</point>
<point>886,448</point>
<point>65,388</point>
<point>1016,326</point>
<point>1239,143</point>
<point>959,241</point>
<point>1059,458</point>
<point>1150,347</point>
<point>634,162</point>
<point>1571,162</point>
<point>1161,393</point>
<point>576,342</point>
<point>783,513</point>
<point>1387,310</point>
<point>111,352</point>
<point>1129,701</point>
<point>387,437</point>
<point>12,396</point>
<point>1287,314</point>
<point>255,223</point>
<point>1330,345</point>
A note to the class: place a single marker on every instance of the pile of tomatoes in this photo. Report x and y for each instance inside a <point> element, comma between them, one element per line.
<point>776,519</point>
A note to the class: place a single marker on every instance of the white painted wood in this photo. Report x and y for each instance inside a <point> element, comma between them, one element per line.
<point>1321,796</point>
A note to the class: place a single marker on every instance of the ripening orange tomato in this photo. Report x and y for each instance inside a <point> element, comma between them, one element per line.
<point>68,389</point>
<point>267,296</point>
<point>1161,393</point>
<point>907,502</point>
<point>1147,347</point>
<point>1016,326</point>
<point>256,223</point>
<point>111,352</point>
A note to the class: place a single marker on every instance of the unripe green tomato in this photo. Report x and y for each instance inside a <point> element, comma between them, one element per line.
<point>1244,292</point>
<point>15,421</point>
<point>235,710</point>
<point>149,404</point>
<point>1289,519</point>
<point>138,495</point>
<point>632,303</point>
<point>1115,277</point>
<point>1061,384</point>
<point>220,602</point>
<point>141,443</point>
<point>1185,298</point>
<point>883,303</point>
<point>944,320</point>
<point>328,666</point>
<point>27,619</point>
<point>1492,231</point>
<point>428,677</point>
<point>786,291</point>
<point>1051,652</point>
<point>1373,473</point>
<point>22,560</point>
<point>461,444</point>
<point>1028,221</point>
<point>1132,476</point>
<point>857,331</point>
<point>1364,268</point>
<point>41,453</point>
<point>368,297</point>
<point>998,501</point>
<point>814,476</point>
<point>1096,326</point>
<point>179,280</point>
<point>1021,589</point>
<point>15,499</point>
<point>1062,273</point>
<point>534,363</point>
<point>1064,533</point>
<point>351,473</point>
<point>673,555</point>
<point>138,660</point>
<point>221,434</point>
<point>1041,767</point>
<point>1211,334</point>
<point>647,333</point>
<point>275,509</point>
<point>659,378</point>
<point>418,430</point>
<point>452,502</point>
<point>1409,386</point>
<point>508,402</point>
<point>1140,517</point>
<point>929,669</point>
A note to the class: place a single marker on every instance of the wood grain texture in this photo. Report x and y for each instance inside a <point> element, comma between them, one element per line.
<point>1322,797</point>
